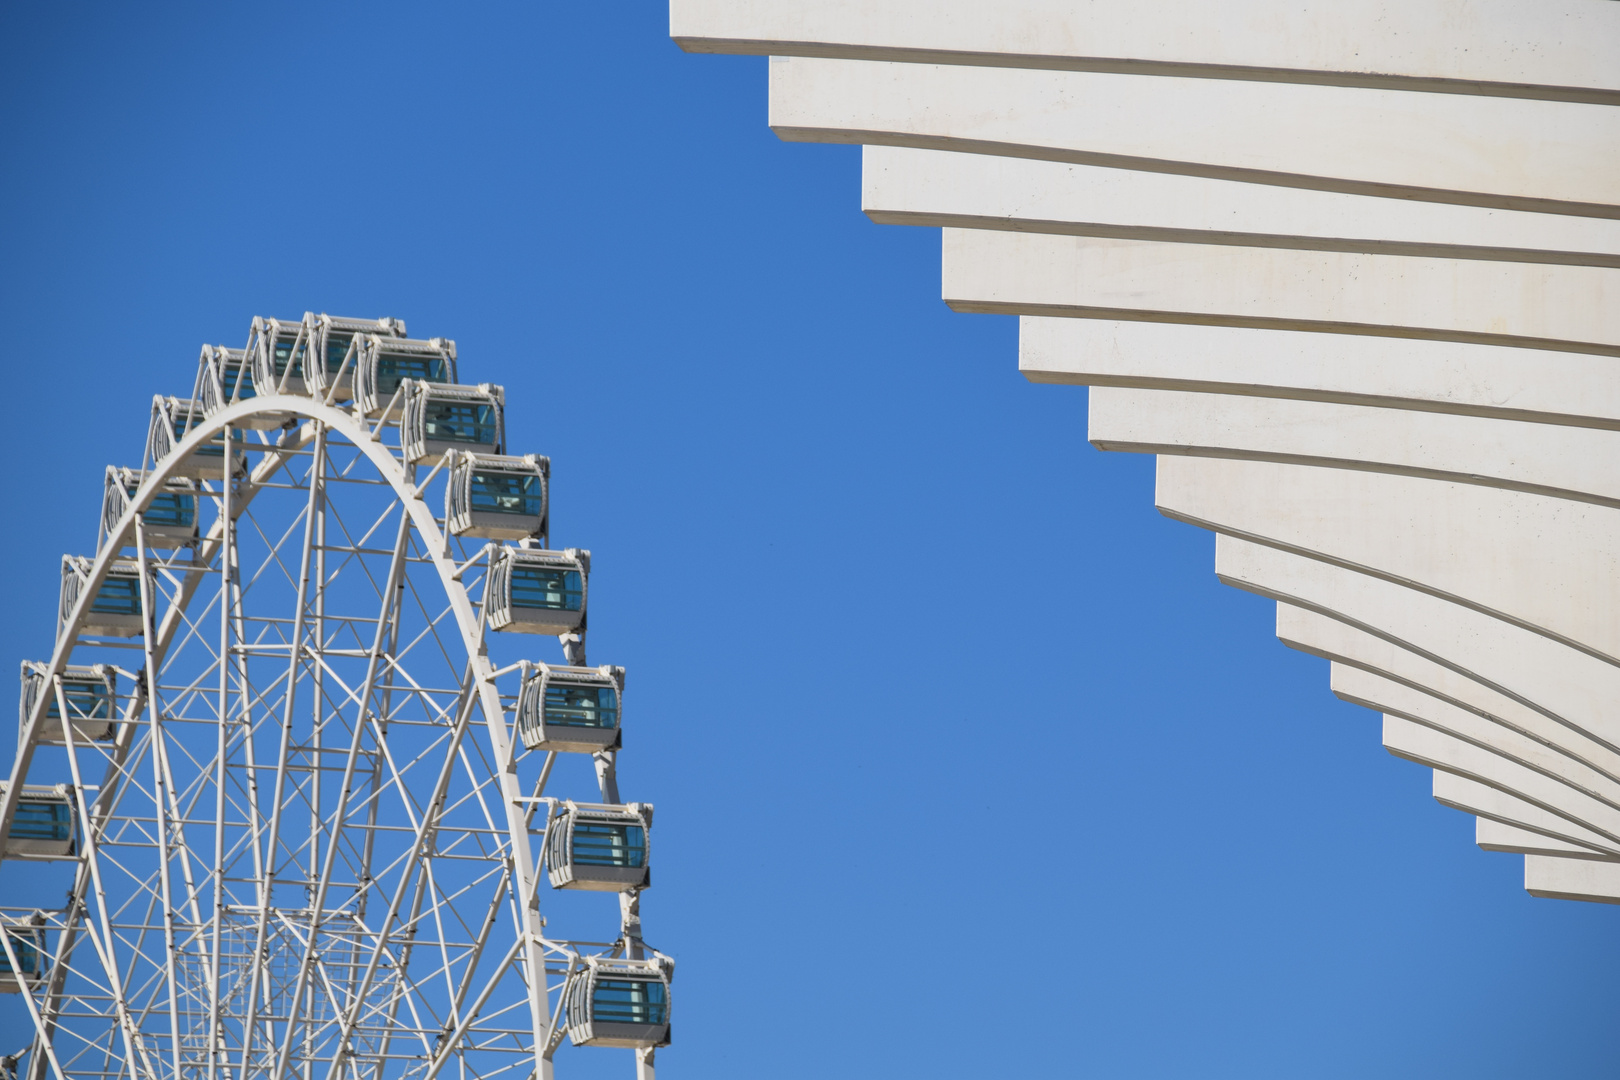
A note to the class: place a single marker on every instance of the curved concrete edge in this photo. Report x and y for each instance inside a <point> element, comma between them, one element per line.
<point>1567,686</point>
<point>1495,836</point>
<point>1501,810</point>
<point>1534,385</point>
<point>1545,459</point>
<point>1509,47</point>
<point>902,185</point>
<point>1519,304</point>
<point>1352,649</point>
<point>1541,563</point>
<point>1436,749</point>
<point>1572,879</point>
<point>1533,771</point>
<point>1534,156</point>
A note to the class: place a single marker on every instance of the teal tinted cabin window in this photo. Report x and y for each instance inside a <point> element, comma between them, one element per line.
<point>457,421</point>
<point>506,493</point>
<point>118,596</point>
<point>85,701</point>
<point>283,353</point>
<point>607,843</point>
<point>42,819</point>
<point>28,955</point>
<point>337,347</point>
<point>172,510</point>
<point>233,373</point>
<point>582,706</point>
<point>182,423</point>
<point>392,368</point>
<point>629,1001</point>
<point>547,588</point>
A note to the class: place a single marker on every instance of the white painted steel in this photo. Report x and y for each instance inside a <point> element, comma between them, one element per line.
<point>186,947</point>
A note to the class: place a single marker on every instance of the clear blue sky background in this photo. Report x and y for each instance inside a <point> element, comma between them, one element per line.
<point>965,764</point>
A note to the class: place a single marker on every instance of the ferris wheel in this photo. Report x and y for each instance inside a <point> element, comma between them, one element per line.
<point>297,760</point>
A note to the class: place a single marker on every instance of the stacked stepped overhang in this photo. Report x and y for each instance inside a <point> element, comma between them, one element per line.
<point>1352,271</point>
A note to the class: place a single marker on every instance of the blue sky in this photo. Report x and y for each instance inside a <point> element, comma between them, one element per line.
<point>965,764</point>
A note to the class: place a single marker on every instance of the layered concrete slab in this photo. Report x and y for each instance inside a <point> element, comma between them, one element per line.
<point>1572,879</point>
<point>1351,648</point>
<point>1496,806</point>
<point>1548,764</point>
<point>1570,687</point>
<point>1558,50</point>
<point>1534,385</point>
<point>906,186</point>
<point>1368,674</point>
<point>1529,305</point>
<point>1542,563</point>
<point>1495,836</point>
<point>1436,749</point>
<point>1539,156</point>
<point>1353,270</point>
<point>1564,462</point>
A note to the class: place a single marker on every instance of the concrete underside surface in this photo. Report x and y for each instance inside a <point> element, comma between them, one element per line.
<point>1353,271</point>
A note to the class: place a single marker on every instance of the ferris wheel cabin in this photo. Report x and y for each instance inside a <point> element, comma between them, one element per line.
<point>572,710</point>
<point>27,941</point>
<point>438,419</point>
<point>115,610</point>
<point>276,349</point>
<point>532,591</point>
<point>172,418</point>
<point>170,520</point>
<point>225,377</point>
<point>333,352</point>
<point>619,1002</point>
<point>46,824</point>
<point>497,497</point>
<point>385,362</point>
<point>91,694</point>
<point>598,846</point>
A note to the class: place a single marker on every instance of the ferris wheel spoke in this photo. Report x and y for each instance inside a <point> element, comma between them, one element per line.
<point>318,902</point>
<point>414,869</point>
<point>272,557</point>
<point>265,887</point>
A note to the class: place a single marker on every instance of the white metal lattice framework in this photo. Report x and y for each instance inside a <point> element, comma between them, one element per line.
<point>310,843</point>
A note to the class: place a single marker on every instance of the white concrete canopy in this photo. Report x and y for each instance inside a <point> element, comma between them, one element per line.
<point>1568,686</point>
<point>1539,763</point>
<point>1491,804</point>
<point>1540,562</point>
<point>1535,385</point>
<point>1438,749</point>
<point>1353,270</point>
<point>1529,305</point>
<point>1350,648</point>
<point>1572,879</point>
<point>1565,462</point>
<point>1518,154</point>
<point>906,186</point>
<point>1557,50</point>
<point>1495,836</point>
